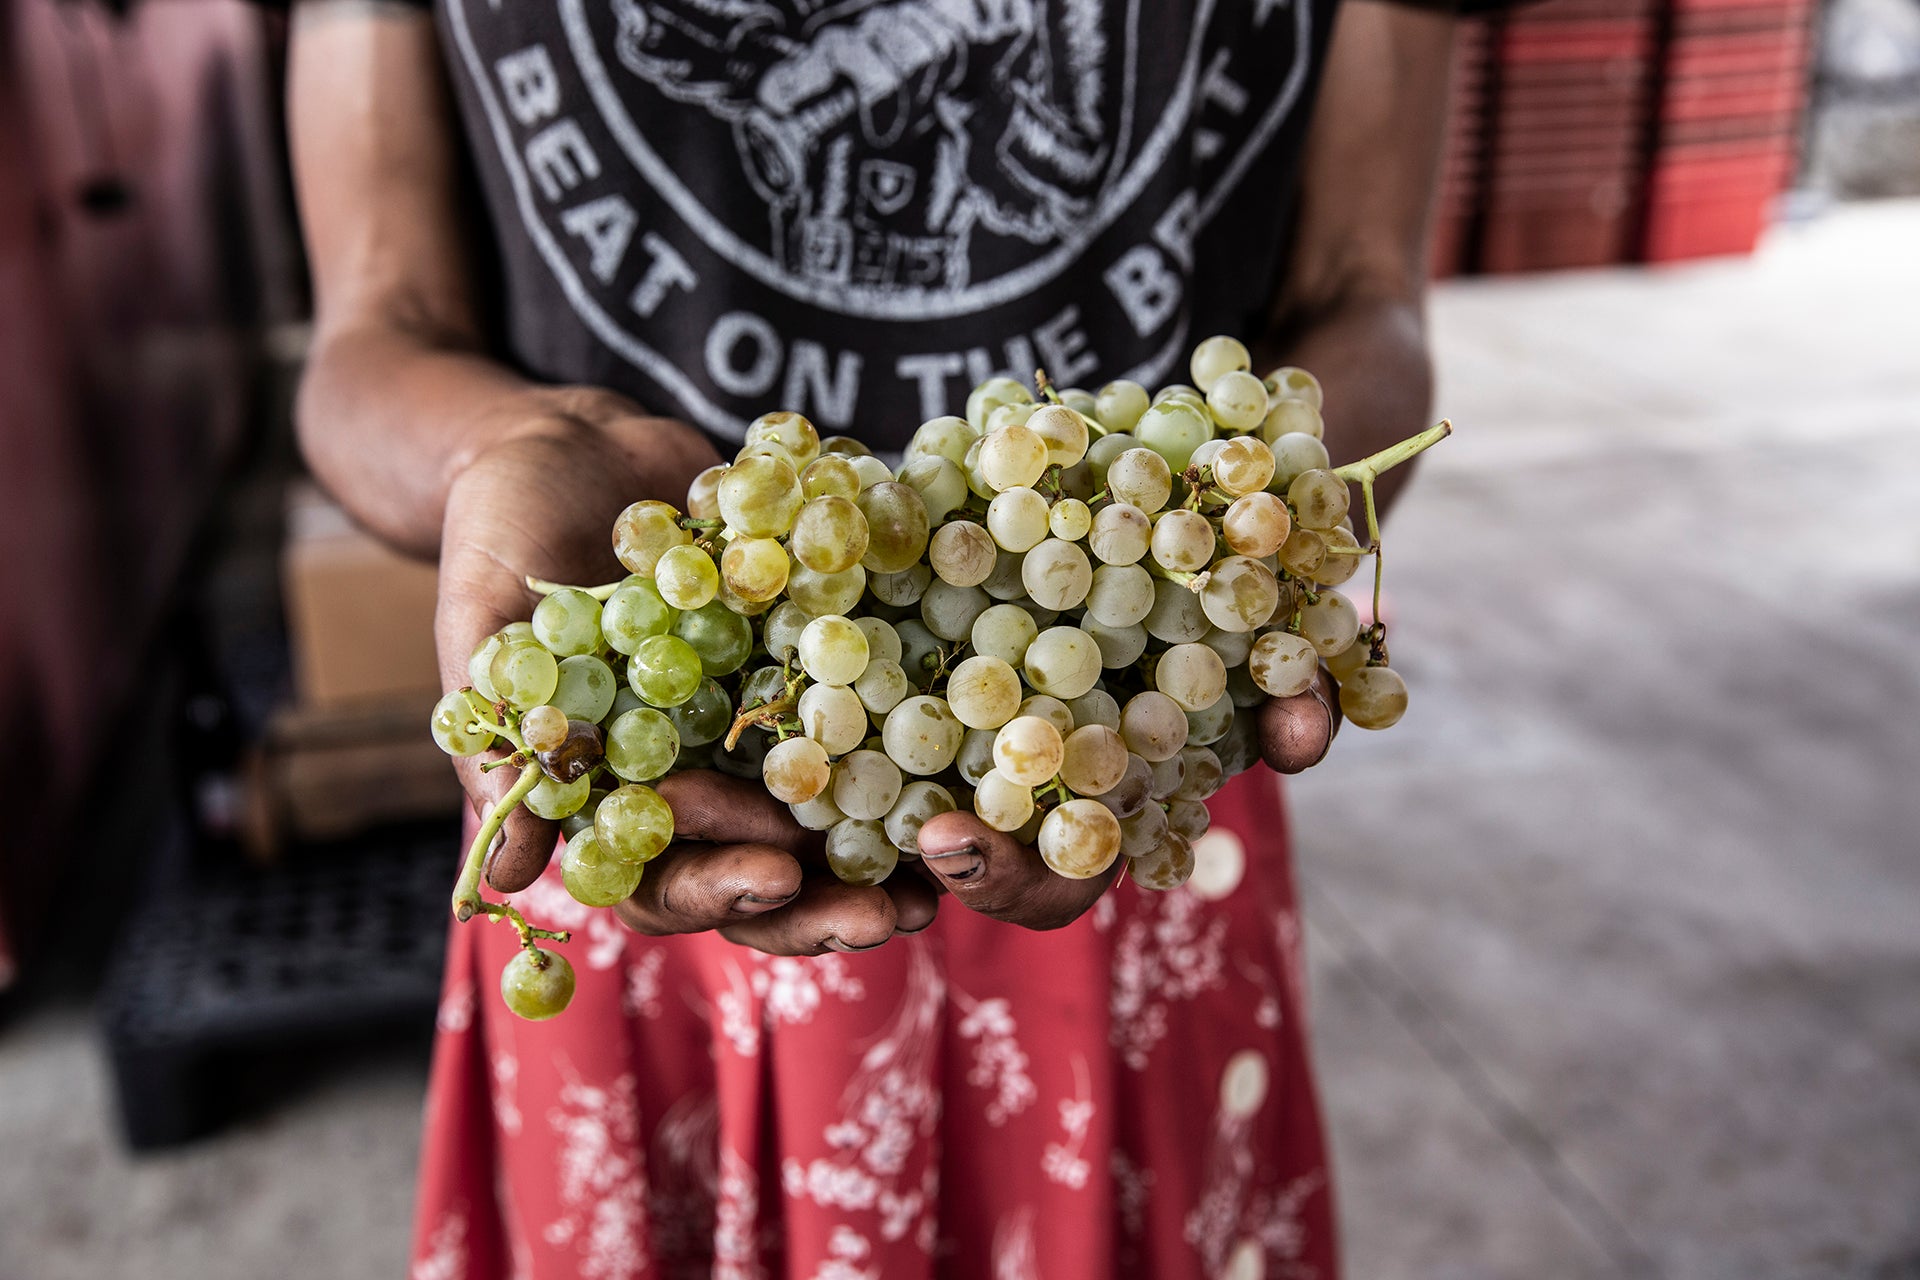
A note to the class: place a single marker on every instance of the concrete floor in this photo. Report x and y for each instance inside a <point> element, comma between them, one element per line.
<point>1615,939</point>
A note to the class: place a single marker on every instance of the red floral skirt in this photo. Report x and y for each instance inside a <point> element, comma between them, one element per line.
<point>1129,1096</point>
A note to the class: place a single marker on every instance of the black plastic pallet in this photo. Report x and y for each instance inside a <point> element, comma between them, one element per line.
<point>345,938</point>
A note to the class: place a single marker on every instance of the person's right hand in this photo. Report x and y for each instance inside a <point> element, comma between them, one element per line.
<point>541,502</point>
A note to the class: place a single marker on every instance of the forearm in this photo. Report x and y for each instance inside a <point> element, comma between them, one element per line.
<point>387,421</point>
<point>1370,355</point>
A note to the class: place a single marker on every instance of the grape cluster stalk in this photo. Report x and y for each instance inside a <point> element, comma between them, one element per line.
<point>1059,613</point>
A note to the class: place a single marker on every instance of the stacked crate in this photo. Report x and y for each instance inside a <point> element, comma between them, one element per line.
<point>1565,151</point>
<point>1726,136</point>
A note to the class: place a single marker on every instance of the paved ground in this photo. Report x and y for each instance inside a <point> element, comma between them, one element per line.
<point>1616,938</point>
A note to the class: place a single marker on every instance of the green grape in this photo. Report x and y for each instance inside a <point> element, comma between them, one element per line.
<point>1121,534</point>
<point>865,784</point>
<point>1009,415</point>
<point>762,685</point>
<point>1242,466</point>
<point>1173,429</point>
<point>1002,803</point>
<point>1056,574</point>
<point>591,877</point>
<point>1017,519</point>
<point>797,770</point>
<point>543,728</point>
<point>703,718</point>
<point>1120,647</point>
<point>719,637</point>
<point>962,553</point>
<point>918,803</point>
<point>1102,452</point>
<point>1167,865</point>
<point>1176,616</point>
<point>451,716</point>
<point>1168,774</point>
<point>1319,499</point>
<point>950,611</point>
<point>1070,519</point>
<point>922,735</point>
<point>760,496</point>
<point>882,640</point>
<point>1339,563</point>
<point>901,589</point>
<point>1004,582</point>
<point>1238,401</point>
<point>872,471</point>
<point>781,632</point>
<point>975,758</point>
<point>829,475</point>
<point>1153,725</point>
<point>1203,773</point>
<point>846,446</point>
<point>821,594</point>
<point>992,394</point>
<point>1003,631</point>
<point>1119,595</point>
<point>1079,839</point>
<point>766,449</point>
<point>1140,478</point>
<point>1093,760</point>
<point>1062,661</point>
<point>632,613</point>
<point>1294,453</point>
<point>1142,833</point>
<point>817,814</point>
<point>703,495</point>
<point>1216,357</point>
<point>641,745</point>
<point>1133,793</point>
<point>1119,405</point>
<point>524,674</point>
<point>537,983</point>
<point>948,437</point>
<point>1028,750</point>
<point>833,651</point>
<point>1243,691</point>
<point>1290,417</point>
<point>1012,457</point>
<point>1050,709</point>
<point>897,528</point>
<point>555,800</point>
<point>1182,541</point>
<point>1192,675</point>
<point>1062,431</point>
<point>581,819</point>
<point>480,666</point>
<point>859,852</point>
<point>754,569</point>
<point>664,671</point>
<point>1208,726</point>
<point>1302,552</point>
<point>1329,622</point>
<point>790,431</point>
<point>584,690</point>
<point>833,716</point>
<point>1350,659</point>
<point>1188,818</point>
<point>829,535</point>
<point>1095,706</point>
<point>567,622</point>
<point>1374,697</point>
<point>1256,525</point>
<point>1283,664</point>
<point>881,686</point>
<point>1291,383</point>
<point>1240,594</point>
<point>984,691</point>
<point>1232,646</point>
<point>686,578</point>
<point>644,532</point>
<point>919,651</point>
<point>941,484</point>
<point>633,824</point>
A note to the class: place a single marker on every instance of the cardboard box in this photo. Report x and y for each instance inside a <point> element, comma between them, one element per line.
<point>359,616</point>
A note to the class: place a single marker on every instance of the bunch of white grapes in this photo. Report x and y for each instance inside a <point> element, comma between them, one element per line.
<point>1058,612</point>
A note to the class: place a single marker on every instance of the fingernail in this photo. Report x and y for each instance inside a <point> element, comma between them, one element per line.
<point>963,863</point>
<point>752,904</point>
<point>834,944</point>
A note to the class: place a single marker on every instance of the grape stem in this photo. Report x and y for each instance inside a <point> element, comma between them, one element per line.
<point>483,716</point>
<point>765,713</point>
<point>466,892</point>
<point>546,588</point>
<point>1369,469</point>
<point>497,911</point>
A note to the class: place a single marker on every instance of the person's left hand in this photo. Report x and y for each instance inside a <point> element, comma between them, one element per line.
<point>994,874</point>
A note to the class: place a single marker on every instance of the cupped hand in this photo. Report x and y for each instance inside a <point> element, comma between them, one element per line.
<point>996,875</point>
